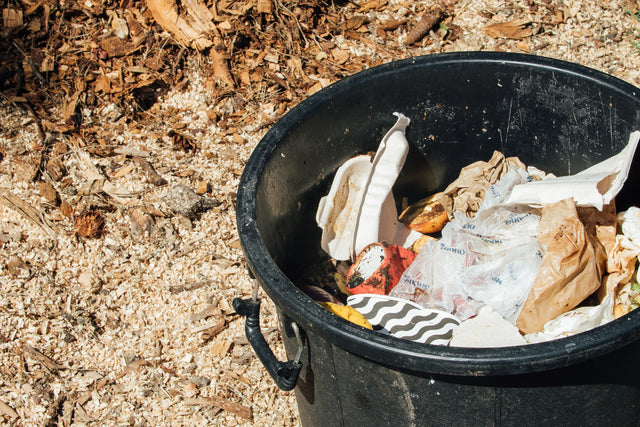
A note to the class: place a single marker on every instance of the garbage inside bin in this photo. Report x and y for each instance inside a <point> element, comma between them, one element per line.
<point>360,208</point>
<point>487,329</point>
<point>513,241</point>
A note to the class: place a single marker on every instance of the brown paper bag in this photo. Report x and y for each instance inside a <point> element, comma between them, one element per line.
<point>602,227</point>
<point>620,253</point>
<point>571,269</point>
<point>465,194</point>
<point>621,266</point>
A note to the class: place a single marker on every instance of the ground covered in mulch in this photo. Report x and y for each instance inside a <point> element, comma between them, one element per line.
<point>124,129</point>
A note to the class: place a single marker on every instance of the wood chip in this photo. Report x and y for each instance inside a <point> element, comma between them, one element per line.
<point>355,22</point>
<point>516,29</point>
<point>90,282</point>
<point>27,167</point>
<point>202,188</point>
<point>96,182</point>
<point>66,209</point>
<point>220,348</point>
<point>55,169</point>
<point>26,210</point>
<point>211,310</point>
<point>49,193</point>
<point>151,174</point>
<point>226,405</point>
<point>392,24</point>
<point>373,5</point>
<point>141,222</point>
<point>213,331</point>
<point>133,366</point>
<point>36,355</point>
<point>220,65</point>
<point>12,17</point>
<point>17,267</point>
<point>123,171</point>
<point>265,6</point>
<point>191,28</point>
<point>8,411</point>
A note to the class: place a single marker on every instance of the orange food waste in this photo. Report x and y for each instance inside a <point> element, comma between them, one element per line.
<point>426,216</point>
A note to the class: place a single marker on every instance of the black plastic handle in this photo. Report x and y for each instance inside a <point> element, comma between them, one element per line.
<point>285,374</point>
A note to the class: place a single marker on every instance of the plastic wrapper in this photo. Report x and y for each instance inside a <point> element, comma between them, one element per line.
<point>575,321</point>
<point>490,259</point>
<point>405,319</point>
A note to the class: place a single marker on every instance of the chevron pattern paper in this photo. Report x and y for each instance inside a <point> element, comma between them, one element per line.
<point>404,319</point>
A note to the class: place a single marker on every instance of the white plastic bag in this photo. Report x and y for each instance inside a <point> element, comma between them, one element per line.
<point>575,321</point>
<point>491,259</point>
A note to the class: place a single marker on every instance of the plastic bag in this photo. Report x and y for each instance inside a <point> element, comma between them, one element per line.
<point>575,321</point>
<point>490,259</point>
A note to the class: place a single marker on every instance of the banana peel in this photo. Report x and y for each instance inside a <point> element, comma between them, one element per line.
<point>348,313</point>
<point>418,244</point>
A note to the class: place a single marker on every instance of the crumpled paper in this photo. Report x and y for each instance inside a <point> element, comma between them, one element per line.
<point>595,186</point>
<point>466,193</point>
<point>570,271</point>
<point>614,293</point>
<point>601,227</point>
<point>621,264</point>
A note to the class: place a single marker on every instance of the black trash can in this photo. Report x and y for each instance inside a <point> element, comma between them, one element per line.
<point>558,116</point>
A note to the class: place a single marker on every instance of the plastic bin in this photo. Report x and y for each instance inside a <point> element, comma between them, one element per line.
<point>558,116</point>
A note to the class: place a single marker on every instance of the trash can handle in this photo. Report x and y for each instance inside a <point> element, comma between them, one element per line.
<point>285,374</point>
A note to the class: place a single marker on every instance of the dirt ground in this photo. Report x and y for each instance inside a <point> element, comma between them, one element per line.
<point>124,128</point>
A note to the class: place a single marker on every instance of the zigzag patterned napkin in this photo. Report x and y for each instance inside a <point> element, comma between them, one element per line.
<point>404,319</point>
